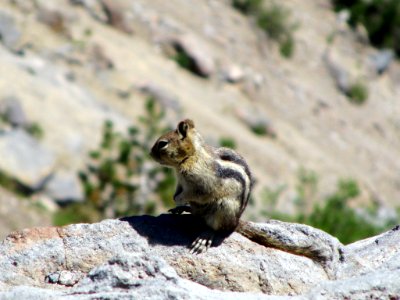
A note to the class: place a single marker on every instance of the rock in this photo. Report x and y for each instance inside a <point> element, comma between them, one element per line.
<point>382,60</point>
<point>115,15</point>
<point>9,33</point>
<point>147,257</point>
<point>54,19</point>
<point>256,269</point>
<point>339,75</point>
<point>138,276</point>
<point>64,187</point>
<point>166,98</point>
<point>256,121</point>
<point>233,74</point>
<point>99,59</point>
<point>65,277</point>
<point>12,111</point>
<point>191,46</point>
<point>93,7</point>
<point>108,12</point>
<point>24,159</point>
<point>374,254</point>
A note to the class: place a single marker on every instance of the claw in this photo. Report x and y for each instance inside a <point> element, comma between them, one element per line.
<point>202,243</point>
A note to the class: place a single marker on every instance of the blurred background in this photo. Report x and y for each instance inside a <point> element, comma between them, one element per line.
<point>307,91</point>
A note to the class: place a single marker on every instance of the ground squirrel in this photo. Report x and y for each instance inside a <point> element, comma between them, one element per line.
<point>213,183</point>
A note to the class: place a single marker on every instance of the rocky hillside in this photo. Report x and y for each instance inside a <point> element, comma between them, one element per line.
<point>147,257</point>
<point>69,65</point>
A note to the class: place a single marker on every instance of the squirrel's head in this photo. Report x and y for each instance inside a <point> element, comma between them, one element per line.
<point>174,147</point>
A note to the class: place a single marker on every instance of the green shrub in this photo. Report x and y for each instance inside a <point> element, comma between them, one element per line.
<point>306,188</point>
<point>13,185</point>
<point>332,215</point>
<point>273,19</point>
<point>340,220</point>
<point>358,93</point>
<point>182,58</point>
<point>35,130</point>
<point>247,6</point>
<point>381,18</point>
<point>227,142</point>
<point>119,181</point>
<point>287,47</point>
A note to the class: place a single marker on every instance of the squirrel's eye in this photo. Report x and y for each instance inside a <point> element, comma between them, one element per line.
<point>162,145</point>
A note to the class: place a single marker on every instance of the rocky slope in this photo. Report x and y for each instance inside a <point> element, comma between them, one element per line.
<point>147,257</point>
<point>69,65</point>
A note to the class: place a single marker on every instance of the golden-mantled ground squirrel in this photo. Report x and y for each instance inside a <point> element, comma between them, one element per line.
<point>213,183</point>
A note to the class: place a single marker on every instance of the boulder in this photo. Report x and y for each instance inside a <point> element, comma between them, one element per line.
<point>64,187</point>
<point>23,158</point>
<point>147,257</point>
<point>9,32</point>
<point>199,54</point>
<point>11,110</point>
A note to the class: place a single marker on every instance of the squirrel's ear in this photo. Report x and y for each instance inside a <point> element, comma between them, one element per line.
<point>184,126</point>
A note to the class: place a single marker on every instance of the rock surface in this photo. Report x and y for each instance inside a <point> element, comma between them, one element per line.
<point>147,257</point>
<point>24,159</point>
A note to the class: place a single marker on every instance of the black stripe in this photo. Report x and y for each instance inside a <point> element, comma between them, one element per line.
<point>230,155</point>
<point>225,172</point>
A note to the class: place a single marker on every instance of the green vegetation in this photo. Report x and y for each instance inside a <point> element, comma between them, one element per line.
<point>227,142</point>
<point>259,129</point>
<point>119,180</point>
<point>35,130</point>
<point>247,6</point>
<point>381,19</point>
<point>358,93</point>
<point>184,60</point>
<point>273,19</point>
<point>332,215</point>
<point>12,185</point>
<point>306,188</point>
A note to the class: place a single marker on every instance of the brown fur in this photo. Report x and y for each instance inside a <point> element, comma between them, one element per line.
<point>212,184</point>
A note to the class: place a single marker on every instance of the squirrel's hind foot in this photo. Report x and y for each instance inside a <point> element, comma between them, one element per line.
<point>202,242</point>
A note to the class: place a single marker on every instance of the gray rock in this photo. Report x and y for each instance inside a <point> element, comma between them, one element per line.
<point>147,257</point>
<point>383,284</point>
<point>371,254</point>
<point>339,75</point>
<point>9,33</point>
<point>64,187</point>
<point>382,60</point>
<point>11,109</point>
<point>202,58</point>
<point>138,276</point>
<point>93,7</point>
<point>83,247</point>
<point>257,121</point>
<point>109,12</point>
<point>24,159</point>
<point>166,98</point>
<point>233,74</point>
<point>31,293</point>
<point>64,277</point>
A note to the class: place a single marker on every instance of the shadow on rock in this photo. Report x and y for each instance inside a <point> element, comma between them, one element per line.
<point>169,229</point>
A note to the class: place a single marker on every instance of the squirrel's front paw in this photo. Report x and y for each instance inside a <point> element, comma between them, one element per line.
<point>180,210</point>
<point>202,243</point>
